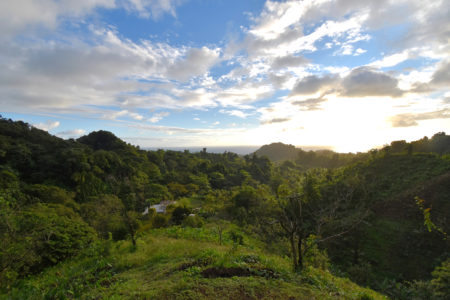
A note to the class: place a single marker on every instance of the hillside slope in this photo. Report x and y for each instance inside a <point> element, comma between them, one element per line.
<point>394,243</point>
<point>176,264</point>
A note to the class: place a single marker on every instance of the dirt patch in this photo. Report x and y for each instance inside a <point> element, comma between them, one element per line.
<point>203,262</point>
<point>216,272</point>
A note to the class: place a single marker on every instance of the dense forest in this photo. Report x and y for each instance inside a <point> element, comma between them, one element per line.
<point>76,220</point>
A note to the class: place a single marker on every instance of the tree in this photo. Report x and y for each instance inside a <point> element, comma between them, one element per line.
<point>105,215</point>
<point>179,214</point>
<point>131,220</point>
<point>326,210</point>
<point>37,237</point>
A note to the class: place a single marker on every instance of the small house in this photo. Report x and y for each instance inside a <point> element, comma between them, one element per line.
<point>161,207</point>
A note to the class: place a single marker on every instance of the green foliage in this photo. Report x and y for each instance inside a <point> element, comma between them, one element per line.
<point>160,220</point>
<point>104,214</point>
<point>393,238</point>
<point>193,221</point>
<point>165,267</point>
<point>314,256</point>
<point>179,214</point>
<point>177,189</point>
<point>71,279</point>
<point>49,194</point>
<point>427,217</point>
<point>38,237</point>
<point>441,279</point>
<point>103,140</point>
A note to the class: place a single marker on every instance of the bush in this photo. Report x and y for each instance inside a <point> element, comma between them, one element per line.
<point>314,256</point>
<point>193,221</point>
<point>159,221</point>
<point>179,214</point>
<point>41,236</point>
<point>441,279</point>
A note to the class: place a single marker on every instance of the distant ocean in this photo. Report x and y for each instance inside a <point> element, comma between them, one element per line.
<point>241,150</point>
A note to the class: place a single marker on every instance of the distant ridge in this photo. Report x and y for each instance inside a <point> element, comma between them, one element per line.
<point>324,158</point>
<point>278,151</point>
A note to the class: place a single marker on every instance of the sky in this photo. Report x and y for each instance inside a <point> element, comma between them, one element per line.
<point>348,75</point>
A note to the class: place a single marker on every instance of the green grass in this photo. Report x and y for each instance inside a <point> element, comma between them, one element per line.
<point>167,267</point>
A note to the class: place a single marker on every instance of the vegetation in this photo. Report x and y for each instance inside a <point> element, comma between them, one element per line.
<point>72,221</point>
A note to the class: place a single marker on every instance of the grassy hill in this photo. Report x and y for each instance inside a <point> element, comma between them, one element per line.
<point>183,263</point>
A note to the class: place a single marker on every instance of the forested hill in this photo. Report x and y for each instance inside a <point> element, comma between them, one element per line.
<point>72,222</point>
<point>278,152</point>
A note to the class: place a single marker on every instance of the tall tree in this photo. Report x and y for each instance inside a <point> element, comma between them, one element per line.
<point>326,210</point>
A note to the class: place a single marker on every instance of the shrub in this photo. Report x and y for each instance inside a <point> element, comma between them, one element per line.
<point>441,279</point>
<point>41,236</point>
<point>193,221</point>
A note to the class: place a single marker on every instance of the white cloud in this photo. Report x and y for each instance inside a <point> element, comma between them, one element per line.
<point>20,15</point>
<point>123,113</point>
<point>235,112</point>
<point>152,8</point>
<point>391,60</point>
<point>71,133</point>
<point>197,62</point>
<point>293,41</point>
<point>136,116</point>
<point>411,119</point>
<point>25,15</point>
<point>276,18</point>
<point>48,125</point>
<point>360,51</point>
<point>158,117</point>
<point>109,73</point>
<point>243,95</point>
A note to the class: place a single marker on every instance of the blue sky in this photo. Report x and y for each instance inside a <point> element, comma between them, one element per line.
<point>346,74</point>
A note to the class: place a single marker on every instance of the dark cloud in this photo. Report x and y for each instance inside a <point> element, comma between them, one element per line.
<point>288,61</point>
<point>313,84</point>
<point>440,79</point>
<point>367,81</point>
<point>310,104</point>
<point>275,120</point>
<point>408,119</point>
<point>278,80</point>
<point>361,82</point>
